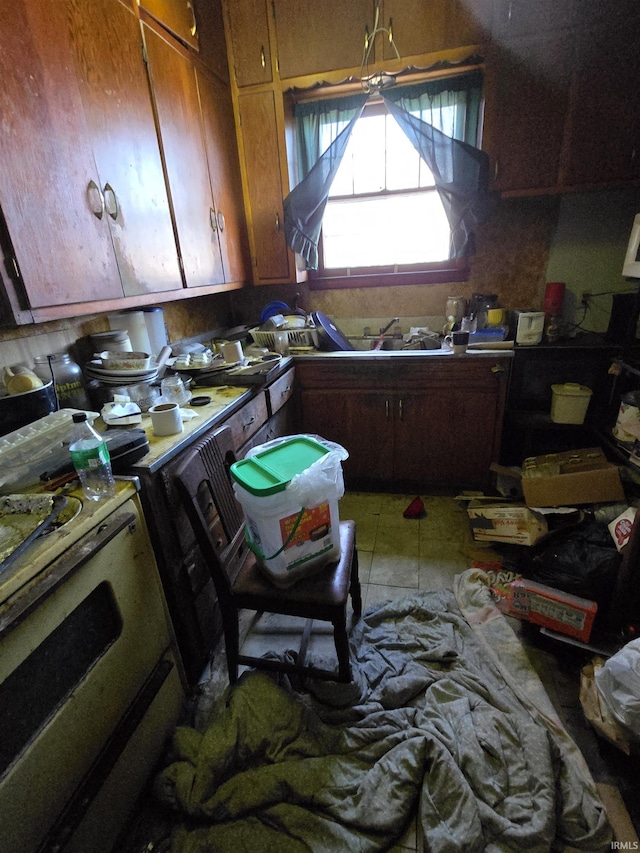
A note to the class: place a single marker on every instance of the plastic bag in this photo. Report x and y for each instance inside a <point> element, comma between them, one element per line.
<point>322,477</point>
<point>618,682</point>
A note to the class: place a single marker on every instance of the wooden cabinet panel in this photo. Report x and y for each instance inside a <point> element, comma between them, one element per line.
<point>63,250</point>
<point>528,84</point>
<point>404,422</point>
<point>248,25</point>
<point>212,43</point>
<point>175,93</point>
<point>261,146</point>
<point>178,16</point>
<point>314,37</point>
<point>115,93</point>
<point>280,392</point>
<point>604,125</point>
<point>248,420</point>
<point>428,26</point>
<point>514,18</point>
<point>224,174</point>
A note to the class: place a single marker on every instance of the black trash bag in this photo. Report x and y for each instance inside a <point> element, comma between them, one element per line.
<point>581,560</point>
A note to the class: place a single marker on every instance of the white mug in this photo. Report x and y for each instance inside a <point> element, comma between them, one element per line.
<point>166,418</point>
<point>458,341</point>
<point>231,351</point>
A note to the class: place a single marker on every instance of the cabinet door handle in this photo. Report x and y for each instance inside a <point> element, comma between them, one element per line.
<point>95,199</point>
<point>366,37</point>
<point>194,25</point>
<point>213,220</point>
<point>248,423</point>
<point>400,410</point>
<point>263,58</point>
<point>498,369</point>
<point>111,202</point>
<point>277,221</point>
<point>221,222</point>
<point>496,169</point>
<point>390,30</point>
<point>386,409</point>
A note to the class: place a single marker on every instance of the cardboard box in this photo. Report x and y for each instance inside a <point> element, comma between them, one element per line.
<point>505,522</point>
<point>542,605</point>
<point>571,478</point>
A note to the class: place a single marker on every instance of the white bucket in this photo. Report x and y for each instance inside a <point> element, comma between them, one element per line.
<point>295,532</point>
<point>569,403</point>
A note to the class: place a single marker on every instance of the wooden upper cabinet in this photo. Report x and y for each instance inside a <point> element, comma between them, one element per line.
<point>604,126</point>
<point>427,26</point>
<point>212,44</point>
<point>178,16</point>
<point>248,33</point>
<point>175,93</point>
<point>261,146</point>
<point>527,92</point>
<point>320,36</point>
<point>224,172</point>
<point>115,94</point>
<point>47,171</point>
<point>516,18</point>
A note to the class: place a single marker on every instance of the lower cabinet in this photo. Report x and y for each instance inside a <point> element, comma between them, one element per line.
<point>408,422</point>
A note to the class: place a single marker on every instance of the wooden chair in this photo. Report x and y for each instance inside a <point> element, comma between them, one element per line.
<point>204,484</point>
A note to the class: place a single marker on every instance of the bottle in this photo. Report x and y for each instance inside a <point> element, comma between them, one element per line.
<point>90,457</point>
<point>67,379</point>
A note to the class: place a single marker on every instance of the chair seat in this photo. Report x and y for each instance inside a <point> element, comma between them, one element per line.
<point>318,594</point>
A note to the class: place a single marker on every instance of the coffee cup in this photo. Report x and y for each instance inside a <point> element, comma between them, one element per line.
<point>166,418</point>
<point>458,342</point>
<point>231,351</point>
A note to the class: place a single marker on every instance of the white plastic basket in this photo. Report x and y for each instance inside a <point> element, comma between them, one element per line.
<point>297,338</point>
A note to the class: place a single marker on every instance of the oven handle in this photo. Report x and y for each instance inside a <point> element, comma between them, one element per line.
<point>65,566</point>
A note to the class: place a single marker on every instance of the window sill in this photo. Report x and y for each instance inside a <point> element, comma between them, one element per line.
<point>456,270</point>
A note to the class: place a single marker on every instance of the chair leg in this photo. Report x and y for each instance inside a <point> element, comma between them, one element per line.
<point>355,590</point>
<point>231,641</point>
<point>341,641</point>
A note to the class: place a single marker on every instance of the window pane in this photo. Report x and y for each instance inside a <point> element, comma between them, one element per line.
<point>401,229</point>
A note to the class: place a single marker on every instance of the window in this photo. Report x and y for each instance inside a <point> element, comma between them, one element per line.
<point>392,184</point>
<point>381,197</point>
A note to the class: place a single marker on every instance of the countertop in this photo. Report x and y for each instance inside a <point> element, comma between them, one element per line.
<point>377,355</point>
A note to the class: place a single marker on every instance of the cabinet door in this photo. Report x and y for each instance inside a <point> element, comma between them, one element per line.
<point>527,99</point>
<point>177,16</point>
<point>427,26</point>
<point>115,93</point>
<point>224,174</point>
<point>604,127</point>
<point>320,36</point>
<point>49,186</point>
<point>514,18</point>
<point>261,145</point>
<point>175,93</point>
<point>248,33</point>
<point>362,422</point>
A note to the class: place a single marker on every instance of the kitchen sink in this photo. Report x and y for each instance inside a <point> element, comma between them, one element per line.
<point>390,343</point>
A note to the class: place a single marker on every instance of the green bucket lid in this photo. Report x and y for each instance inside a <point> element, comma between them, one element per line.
<point>271,470</point>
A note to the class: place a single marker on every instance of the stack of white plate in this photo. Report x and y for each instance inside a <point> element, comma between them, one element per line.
<point>95,370</point>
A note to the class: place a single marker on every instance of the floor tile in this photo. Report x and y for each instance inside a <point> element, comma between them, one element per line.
<point>364,565</point>
<point>380,592</point>
<point>397,540</point>
<point>394,570</point>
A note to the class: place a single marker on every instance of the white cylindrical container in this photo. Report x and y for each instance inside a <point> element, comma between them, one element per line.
<point>289,492</point>
<point>166,418</point>
<point>569,403</point>
<point>156,329</point>
<point>135,324</point>
<point>231,351</point>
<point>117,340</point>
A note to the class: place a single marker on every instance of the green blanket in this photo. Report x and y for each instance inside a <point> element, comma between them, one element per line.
<point>435,720</point>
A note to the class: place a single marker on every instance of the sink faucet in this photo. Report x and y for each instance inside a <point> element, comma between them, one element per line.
<point>384,331</point>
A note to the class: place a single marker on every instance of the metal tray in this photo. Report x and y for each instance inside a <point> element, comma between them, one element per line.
<point>22,519</point>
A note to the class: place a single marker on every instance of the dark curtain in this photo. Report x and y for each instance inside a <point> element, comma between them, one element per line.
<point>317,122</point>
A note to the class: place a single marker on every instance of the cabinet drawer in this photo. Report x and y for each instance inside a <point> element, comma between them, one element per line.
<point>280,392</point>
<point>248,420</point>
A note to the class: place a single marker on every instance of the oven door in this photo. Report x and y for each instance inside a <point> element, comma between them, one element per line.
<point>89,691</point>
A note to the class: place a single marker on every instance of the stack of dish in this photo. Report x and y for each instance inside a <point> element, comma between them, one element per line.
<point>111,376</point>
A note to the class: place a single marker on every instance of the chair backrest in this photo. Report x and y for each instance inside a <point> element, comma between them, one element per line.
<point>204,485</point>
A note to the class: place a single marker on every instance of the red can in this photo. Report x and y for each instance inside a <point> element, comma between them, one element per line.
<point>553,297</point>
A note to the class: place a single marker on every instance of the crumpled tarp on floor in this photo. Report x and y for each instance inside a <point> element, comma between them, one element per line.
<point>445,715</point>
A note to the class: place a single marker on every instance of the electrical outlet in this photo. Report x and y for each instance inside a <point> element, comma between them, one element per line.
<point>585,298</point>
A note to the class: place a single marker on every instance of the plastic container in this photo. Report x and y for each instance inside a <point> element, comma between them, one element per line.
<point>117,339</point>
<point>90,457</point>
<point>136,326</point>
<point>67,378</point>
<point>569,403</point>
<point>289,490</point>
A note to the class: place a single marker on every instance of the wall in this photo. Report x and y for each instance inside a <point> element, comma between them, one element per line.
<point>579,239</point>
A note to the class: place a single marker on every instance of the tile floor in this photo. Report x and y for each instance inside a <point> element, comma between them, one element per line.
<point>396,556</point>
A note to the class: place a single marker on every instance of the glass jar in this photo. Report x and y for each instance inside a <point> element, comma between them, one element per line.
<point>67,379</point>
